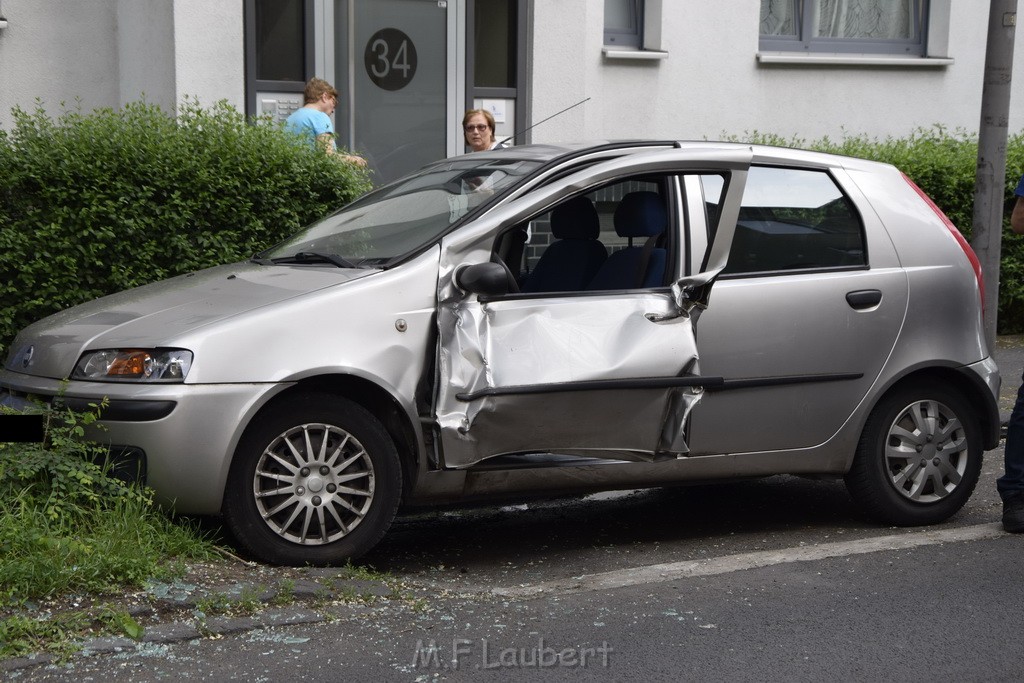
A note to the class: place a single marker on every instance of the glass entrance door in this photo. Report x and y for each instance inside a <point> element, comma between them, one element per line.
<point>391,69</point>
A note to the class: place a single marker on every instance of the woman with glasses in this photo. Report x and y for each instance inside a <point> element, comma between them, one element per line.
<point>478,129</point>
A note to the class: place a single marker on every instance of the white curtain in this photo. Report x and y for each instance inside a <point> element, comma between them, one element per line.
<point>871,19</point>
<point>777,18</point>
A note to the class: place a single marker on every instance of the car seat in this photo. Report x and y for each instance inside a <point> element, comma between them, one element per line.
<point>639,214</point>
<point>569,263</point>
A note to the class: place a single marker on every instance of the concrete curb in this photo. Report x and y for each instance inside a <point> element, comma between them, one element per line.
<point>345,597</point>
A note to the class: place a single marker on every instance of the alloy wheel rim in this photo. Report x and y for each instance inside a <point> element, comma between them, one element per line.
<point>314,484</point>
<point>926,452</point>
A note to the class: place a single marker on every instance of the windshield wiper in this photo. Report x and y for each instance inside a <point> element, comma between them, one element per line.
<point>315,257</point>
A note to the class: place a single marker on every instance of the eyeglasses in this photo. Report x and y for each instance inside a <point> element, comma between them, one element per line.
<point>479,126</point>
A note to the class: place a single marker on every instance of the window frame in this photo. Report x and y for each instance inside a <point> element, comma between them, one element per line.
<point>666,185</point>
<point>854,213</point>
<point>627,38</point>
<point>804,41</point>
<point>253,84</point>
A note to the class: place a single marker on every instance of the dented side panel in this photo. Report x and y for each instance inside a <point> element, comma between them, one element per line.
<point>540,352</point>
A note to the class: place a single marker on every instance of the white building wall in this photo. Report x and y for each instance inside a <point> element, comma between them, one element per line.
<point>58,51</point>
<point>145,46</point>
<point>210,51</point>
<point>104,53</point>
<point>711,84</point>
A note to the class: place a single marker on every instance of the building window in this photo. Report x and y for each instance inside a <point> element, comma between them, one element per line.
<point>624,23</point>
<point>279,40</point>
<point>494,43</point>
<point>845,26</point>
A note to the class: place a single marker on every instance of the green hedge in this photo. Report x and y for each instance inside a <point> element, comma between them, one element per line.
<point>97,203</point>
<point>943,163</point>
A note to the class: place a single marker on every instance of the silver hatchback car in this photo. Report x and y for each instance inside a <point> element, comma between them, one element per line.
<point>525,321</point>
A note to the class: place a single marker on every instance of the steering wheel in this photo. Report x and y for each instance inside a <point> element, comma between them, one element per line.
<point>513,286</point>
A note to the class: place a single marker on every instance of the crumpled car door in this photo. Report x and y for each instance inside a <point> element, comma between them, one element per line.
<point>598,374</point>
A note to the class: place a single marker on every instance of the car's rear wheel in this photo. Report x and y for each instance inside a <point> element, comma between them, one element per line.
<point>919,456</point>
<point>315,480</point>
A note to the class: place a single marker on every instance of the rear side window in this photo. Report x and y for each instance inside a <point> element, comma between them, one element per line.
<point>792,220</point>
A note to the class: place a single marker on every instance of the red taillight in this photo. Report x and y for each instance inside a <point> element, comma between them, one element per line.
<point>968,252</point>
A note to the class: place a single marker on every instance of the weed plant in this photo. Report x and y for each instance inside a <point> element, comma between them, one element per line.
<point>67,527</point>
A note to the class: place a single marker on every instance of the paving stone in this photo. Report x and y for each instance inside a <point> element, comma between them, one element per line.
<point>107,645</point>
<point>169,633</point>
<point>7,665</point>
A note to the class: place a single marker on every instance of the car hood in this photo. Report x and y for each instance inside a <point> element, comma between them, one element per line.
<point>155,315</point>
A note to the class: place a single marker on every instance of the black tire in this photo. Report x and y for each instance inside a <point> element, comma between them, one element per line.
<point>919,457</point>
<point>291,501</point>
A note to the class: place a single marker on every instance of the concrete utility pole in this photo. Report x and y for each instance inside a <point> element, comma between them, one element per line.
<point>990,180</point>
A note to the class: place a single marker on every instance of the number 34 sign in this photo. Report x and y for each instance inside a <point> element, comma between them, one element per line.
<point>390,59</point>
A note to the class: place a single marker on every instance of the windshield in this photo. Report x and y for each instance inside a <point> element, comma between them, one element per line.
<point>403,217</point>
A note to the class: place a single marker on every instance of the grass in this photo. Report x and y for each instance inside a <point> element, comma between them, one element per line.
<point>91,551</point>
<point>68,528</point>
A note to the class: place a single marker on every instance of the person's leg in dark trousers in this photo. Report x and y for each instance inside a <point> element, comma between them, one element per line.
<point>1011,484</point>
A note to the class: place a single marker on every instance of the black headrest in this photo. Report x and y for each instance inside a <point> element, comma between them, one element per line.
<point>640,214</point>
<point>576,219</point>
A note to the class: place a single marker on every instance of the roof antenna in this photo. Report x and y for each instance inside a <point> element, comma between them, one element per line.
<point>517,134</point>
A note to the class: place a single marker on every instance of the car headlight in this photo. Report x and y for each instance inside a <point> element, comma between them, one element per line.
<point>141,365</point>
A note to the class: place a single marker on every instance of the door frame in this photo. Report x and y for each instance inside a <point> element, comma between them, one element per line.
<point>466,372</point>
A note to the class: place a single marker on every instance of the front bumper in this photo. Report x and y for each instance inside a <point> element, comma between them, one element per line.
<point>185,433</point>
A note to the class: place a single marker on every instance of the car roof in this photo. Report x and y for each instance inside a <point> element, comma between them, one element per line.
<point>762,154</point>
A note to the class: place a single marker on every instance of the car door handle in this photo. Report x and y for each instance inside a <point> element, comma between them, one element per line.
<point>863,298</point>
<point>662,317</point>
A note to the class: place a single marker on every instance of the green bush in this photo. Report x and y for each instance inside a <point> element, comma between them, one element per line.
<point>94,204</point>
<point>944,166</point>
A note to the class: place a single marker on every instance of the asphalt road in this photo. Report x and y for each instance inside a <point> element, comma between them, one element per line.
<point>777,579</point>
<point>772,580</point>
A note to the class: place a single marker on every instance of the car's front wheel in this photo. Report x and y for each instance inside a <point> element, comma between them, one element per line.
<point>315,480</point>
<point>919,456</point>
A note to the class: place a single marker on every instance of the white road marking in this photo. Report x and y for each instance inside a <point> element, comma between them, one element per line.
<point>670,571</point>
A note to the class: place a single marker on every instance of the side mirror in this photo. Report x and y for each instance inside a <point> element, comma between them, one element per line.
<point>484,279</point>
